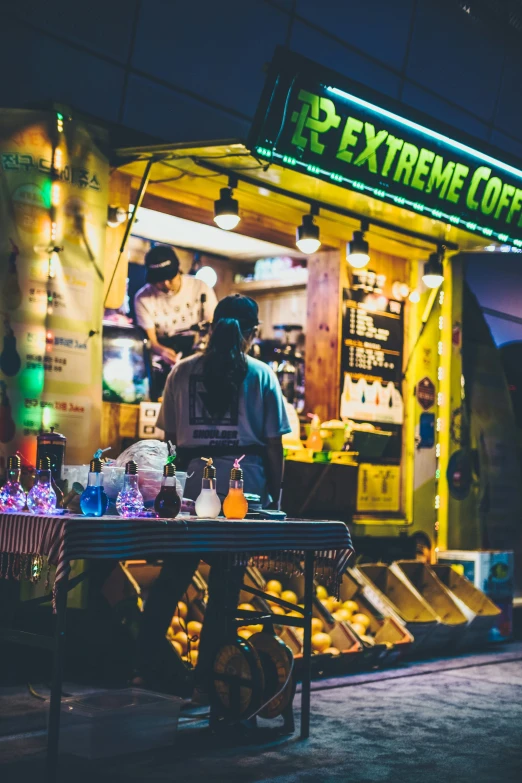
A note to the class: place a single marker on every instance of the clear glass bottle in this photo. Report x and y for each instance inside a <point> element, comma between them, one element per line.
<point>42,497</point>
<point>208,504</point>
<point>12,495</point>
<point>235,505</point>
<point>168,503</point>
<point>93,500</point>
<point>130,500</point>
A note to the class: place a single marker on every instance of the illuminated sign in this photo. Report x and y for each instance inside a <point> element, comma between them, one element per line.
<point>315,121</point>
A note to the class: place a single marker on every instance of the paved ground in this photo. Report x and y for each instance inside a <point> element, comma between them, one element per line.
<point>457,719</point>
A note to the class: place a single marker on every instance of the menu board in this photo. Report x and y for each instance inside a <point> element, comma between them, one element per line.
<point>372,360</point>
<point>372,342</point>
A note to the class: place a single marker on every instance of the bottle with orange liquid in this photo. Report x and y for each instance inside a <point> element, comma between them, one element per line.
<point>235,505</point>
<point>314,440</point>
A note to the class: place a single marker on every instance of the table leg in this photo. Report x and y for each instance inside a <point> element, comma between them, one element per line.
<point>307,644</point>
<point>53,733</point>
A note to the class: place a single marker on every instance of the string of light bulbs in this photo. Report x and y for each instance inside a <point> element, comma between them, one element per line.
<point>308,239</point>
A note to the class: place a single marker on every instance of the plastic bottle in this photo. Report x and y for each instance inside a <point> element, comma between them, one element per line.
<point>93,500</point>
<point>314,440</point>
<point>168,502</point>
<point>42,497</point>
<point>12,495</point>
<point>235,505</point>
<point>129,502</point>
<point>208,504</point>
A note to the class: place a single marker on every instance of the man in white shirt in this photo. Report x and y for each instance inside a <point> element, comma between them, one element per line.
<point>170,302</point>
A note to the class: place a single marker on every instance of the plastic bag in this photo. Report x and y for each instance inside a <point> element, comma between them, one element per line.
<point>147,454</point>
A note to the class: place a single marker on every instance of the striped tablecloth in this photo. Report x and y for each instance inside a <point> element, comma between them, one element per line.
<point>62,539</point>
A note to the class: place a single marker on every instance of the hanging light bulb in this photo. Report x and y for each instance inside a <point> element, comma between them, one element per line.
<point>116,216</point>
<point>307,235</point>
<point>414,296</point>
<point>226,208</point>
<point>358,250</point>
<point>433,275</point>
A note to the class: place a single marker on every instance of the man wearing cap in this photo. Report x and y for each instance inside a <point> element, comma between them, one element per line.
<point>170,302</point>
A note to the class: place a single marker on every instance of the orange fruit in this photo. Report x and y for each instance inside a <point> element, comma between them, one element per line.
<point>321,592</point>
<point>361,619</point>
<point>342,615</point>
<point>177,646</point>
<point>181,638</point>
<point>275,587</point>
<point>332,651</point>
<point>289,596</point>
<point>193,657</point>
<point>359,629</point>
<point>321,641</point>
<point>176,624</point>
<point>317,625</point>
<point>294,613</point>
<point>182,609</point>
<point>247,607</point>
<point>244,633</point>
<point>277,609</point>
<point>352,606</point>
<point>194,628</point>
<point>254,628</point>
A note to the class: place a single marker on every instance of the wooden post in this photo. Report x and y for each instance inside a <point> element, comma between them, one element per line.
<point>119,196</point>
<point>326,277</point>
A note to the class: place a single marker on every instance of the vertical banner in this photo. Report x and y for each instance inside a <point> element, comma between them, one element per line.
<point>53,214</point>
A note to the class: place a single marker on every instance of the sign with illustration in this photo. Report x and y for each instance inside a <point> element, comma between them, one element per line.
<point>53,214</point>
<point>315,121</point>
<point>426,393</point>
<point>378,488</point>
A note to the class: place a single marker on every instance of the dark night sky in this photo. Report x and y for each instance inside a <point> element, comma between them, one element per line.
<point>496,281</point>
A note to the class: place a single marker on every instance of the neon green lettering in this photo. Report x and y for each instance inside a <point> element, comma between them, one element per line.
<point>313,106</point>
<point>481,173</point>
<point>440,178</point>
<point>422,169</point>
<point>349,138</point>
<point>457,181</point>
<point>394,145</point>
<point>407,160</point>
<point>491,194</point>
<point>505,198</point>
<point>373,142</point>
<point>516,205</point>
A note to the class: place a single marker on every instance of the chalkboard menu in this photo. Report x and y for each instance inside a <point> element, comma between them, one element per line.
<point>372,339</point>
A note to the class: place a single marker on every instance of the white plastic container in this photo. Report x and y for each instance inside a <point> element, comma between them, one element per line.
<point>112,723</point>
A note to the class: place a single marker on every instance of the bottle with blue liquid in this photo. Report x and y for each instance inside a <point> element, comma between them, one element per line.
<point>93,500</point>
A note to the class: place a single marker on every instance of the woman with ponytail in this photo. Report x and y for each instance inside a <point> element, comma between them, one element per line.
<point>219,404</point>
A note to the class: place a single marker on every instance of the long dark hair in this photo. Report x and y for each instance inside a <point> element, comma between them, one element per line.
<point>224,365</point>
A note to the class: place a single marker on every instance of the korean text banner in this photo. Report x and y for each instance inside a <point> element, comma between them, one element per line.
<point>53,213</point>
<point>316,122</point>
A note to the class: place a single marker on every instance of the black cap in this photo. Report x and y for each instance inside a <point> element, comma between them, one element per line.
<point>242,308</point>
<point>162,264</point>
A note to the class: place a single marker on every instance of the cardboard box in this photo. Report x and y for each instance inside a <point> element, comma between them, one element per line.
<point>492,572</point>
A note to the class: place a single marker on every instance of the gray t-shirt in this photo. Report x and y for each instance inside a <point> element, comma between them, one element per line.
<point>171,313</point>
<point>257,414</point>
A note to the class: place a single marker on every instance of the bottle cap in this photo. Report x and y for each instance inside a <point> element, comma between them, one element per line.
<point>236,474</point>
<point>95,465</point>
<point>14,462</point>
<point>209,472</point>
<point>131,468</point>
<point>43,463</point>
<point>169,470</point>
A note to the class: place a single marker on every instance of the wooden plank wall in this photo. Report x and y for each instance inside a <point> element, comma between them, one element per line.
<point>323,334</point>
